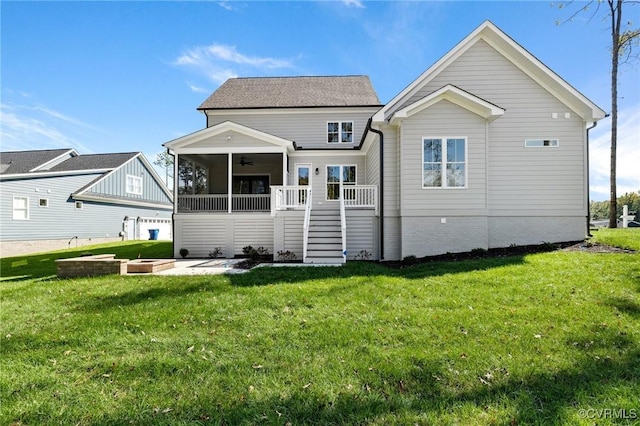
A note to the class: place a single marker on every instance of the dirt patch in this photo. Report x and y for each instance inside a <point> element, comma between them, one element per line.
<point>589,247</point>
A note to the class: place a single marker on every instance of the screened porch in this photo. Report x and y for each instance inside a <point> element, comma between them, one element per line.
<point>226,183</point>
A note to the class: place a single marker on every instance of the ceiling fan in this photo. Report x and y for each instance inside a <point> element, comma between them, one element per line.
<point>245,162</point>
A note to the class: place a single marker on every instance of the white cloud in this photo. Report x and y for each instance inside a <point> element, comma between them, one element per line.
<point>225,5</point>
<point>219,62</point>
<point>627,159</point>
<point>27,127</point>
<point>197,89</point>
<point>353,3</point>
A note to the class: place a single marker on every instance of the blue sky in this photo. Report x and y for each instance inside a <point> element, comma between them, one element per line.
<point>128,76</point>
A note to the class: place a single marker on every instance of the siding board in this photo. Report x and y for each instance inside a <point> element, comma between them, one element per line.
<point>483,71</point>
<point>307,128</point>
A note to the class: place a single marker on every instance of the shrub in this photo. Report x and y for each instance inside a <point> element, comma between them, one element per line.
<point>410,260</point>
<point>363,255</point>
<point>255,254</point>
<point>216,252</point>
<point>286,256</point>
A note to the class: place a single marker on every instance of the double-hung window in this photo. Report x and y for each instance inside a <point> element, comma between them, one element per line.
<point>337,176</point>
<point>340,131</point>
<point>134,185</point>
<point>444,162</point>
<point>20,208</point>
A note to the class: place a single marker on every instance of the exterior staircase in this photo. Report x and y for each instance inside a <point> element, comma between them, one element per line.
<point>325,238</point>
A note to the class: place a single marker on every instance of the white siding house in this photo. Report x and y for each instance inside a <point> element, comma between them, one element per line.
<point>487,148</point>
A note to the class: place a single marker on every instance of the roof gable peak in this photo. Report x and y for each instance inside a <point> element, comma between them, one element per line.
<point>513,52</point>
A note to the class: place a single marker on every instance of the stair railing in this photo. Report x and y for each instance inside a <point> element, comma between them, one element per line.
<point>305,226</point>
<point>343,224</point>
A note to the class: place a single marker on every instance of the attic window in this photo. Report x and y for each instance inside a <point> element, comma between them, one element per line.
<point>541,143</point>
<point>43,202</point>
<point>134,185</point>
<point>340,131</point>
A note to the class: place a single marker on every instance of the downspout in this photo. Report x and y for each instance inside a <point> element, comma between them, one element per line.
<point>595,123</point>
<point>381,194</point>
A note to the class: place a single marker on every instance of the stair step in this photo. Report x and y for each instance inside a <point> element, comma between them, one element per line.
<point>317,212</point>
<point>326,260</point>
<point>311,246</point>
<point>324,252</point>
<point>325,236</point>
<point>324,245</point>
<point>320,229</point>
<point>325,220</point>
<point>336,242</point>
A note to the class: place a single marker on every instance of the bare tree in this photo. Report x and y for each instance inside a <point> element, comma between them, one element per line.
<point>622,43</point>
<point>165,160</point>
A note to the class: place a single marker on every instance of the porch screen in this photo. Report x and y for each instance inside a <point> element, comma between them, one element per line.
<point>251,184</point>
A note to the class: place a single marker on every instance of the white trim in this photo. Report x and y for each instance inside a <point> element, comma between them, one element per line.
<point>36,175</point>
<point>340,123</point>
<point>43,166</point>
<point>211,113</point>
<point>136,185</point>
<point>125,202</point>
<point>443,163</point>
<point>326,177</point>
<point>455,95</point>
<point>24,210</point>
<point>180,145</point>
<point>298,166</point>
<point>543,140</point>
<point>517,55</point>
<point>146,165</point>
<point>229,182</point>
<point>345,152</point>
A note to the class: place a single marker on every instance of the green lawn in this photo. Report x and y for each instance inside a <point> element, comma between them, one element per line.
<point>549,338</point>
<point>626,238</point>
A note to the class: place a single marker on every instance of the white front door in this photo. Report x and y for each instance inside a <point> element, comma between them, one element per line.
<point>131,229</point>
<point>303,176</point>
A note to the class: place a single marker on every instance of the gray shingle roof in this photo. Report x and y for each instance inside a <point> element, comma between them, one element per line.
<point>300,92</point>
<point>94,161</point>
<point>16,162</point>
<point>19,162</point>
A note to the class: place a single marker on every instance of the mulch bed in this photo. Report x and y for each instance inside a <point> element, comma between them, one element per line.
<point>584,246</point>
<point>596,248</point>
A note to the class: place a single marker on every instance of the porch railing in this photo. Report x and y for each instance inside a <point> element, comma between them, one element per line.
<point>294,197</point>
<point>203,203</point>
<point>250,202</point>
<point>220,203</point>
<point>360,196</point>
<point>281,198</point>
<point>288,197</point>
<point>305,225</point>
<point>343,226</point>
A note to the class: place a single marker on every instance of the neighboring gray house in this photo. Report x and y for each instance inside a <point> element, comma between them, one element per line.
<point>58,195</point>
<point>487,148</point>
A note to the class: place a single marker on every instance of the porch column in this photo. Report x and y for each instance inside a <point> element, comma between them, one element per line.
<point>284,168</point>
<point>229,180</point>
<point>175,183</point>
